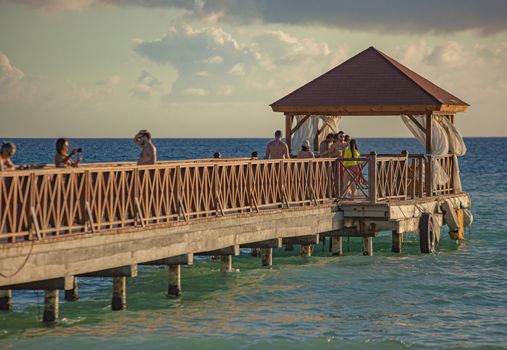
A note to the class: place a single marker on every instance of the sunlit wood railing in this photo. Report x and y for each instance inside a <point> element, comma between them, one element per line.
<point>49,203</point>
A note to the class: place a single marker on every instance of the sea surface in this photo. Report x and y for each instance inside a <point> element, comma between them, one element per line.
<point>455,298</point>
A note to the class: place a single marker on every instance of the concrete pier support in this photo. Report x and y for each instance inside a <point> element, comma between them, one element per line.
<point>5,300</point>
<point>174,286</point>
<point>72,294</point>
<point>119,300</point>
<point>50,314</point>
<point>336,245</point>
<point>306,250</point>
<point>226,263</point>
<point>267,257</point>
<point>368,246</point>
<point>396,242</point>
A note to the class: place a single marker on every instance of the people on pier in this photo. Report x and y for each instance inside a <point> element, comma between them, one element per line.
<point>277,149</point>
<point>148,150</point>
<point>62,158</point>
<point>254,155</point>
<point>325,144</point>
<point>338,147</point>
<point>347,139</point>
<point>217,155</point>
<point>352,176</point>
<point>305,152</point>
<point>7,151</point>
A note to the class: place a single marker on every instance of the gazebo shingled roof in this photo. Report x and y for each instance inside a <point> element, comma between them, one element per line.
<point>370,83</point>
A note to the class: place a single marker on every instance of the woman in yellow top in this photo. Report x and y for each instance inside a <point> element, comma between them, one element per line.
<point>352,169</point>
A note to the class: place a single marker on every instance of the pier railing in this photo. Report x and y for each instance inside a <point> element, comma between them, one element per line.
<point>47,203</point>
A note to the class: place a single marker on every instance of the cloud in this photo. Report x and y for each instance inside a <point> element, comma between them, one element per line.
<point>11,79</point>
<point>213,65</point>
<point>396,16</point>
<point>195,92</point>
<point>9,74</point>
<point>146,86</point>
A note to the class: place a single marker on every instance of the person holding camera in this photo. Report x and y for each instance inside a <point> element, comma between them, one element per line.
<point>148,154</point>
<point>62,158</point>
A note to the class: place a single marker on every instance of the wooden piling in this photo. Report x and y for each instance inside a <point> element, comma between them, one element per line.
<point>119,299</point>
<point>368,246</point>
<point>5,300</point>
<point>396,242</point>
<point>336,245</point>
<point>72,294</point>
<point>174,286</point>
<point>226,265</point>
<point>306,249</point>
<point>50,314</point>
<point>267,257</point>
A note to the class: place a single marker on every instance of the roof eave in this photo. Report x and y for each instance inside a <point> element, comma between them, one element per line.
<point>369,109</point>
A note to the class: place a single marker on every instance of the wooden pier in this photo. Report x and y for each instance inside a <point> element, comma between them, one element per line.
<point>104,220</point>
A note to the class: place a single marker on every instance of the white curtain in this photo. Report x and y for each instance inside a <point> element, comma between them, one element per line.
<point>439,143</point>
<point>457,147</point>
<point>309,129</point>
<point>445,139</point>
<point>330,124</point>
<point>306,131</point>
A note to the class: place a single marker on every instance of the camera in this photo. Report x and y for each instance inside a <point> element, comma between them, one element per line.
<point>78,150</point>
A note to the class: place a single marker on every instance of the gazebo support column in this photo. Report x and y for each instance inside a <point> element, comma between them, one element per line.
<point>429,119</point>
<point>288,130</point>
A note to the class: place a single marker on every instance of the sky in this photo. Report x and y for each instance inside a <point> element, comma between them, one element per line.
<point>210,68</point>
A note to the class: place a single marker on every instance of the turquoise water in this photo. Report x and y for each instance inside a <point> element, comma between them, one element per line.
<point>455,298</point>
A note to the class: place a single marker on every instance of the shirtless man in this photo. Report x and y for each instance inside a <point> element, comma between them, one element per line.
<point>277,149</point>
<point>148,150</point>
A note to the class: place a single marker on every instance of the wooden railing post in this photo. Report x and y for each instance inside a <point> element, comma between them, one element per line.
<point>372,177</point>
<point>405,174</point>
<point>31,219</point>
<point>429,175</point>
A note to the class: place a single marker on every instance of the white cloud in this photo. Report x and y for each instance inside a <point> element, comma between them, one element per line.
<point>146,86</point>
<point>238,69</point>
<point>216,62</point>
<point>450,54</point>
<point>195,92</point>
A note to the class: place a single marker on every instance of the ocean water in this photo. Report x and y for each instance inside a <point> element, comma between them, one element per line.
<point>455,298</point>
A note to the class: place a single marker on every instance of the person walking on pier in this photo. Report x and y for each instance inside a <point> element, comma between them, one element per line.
<point>277,149</point>
<point>148,154</point>
<point>305,152</point>
<point>352,178</point>
<point>62,158</point>
<point>7,151</point>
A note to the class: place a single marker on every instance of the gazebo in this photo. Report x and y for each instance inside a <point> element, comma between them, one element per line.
<point>373,84</point>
